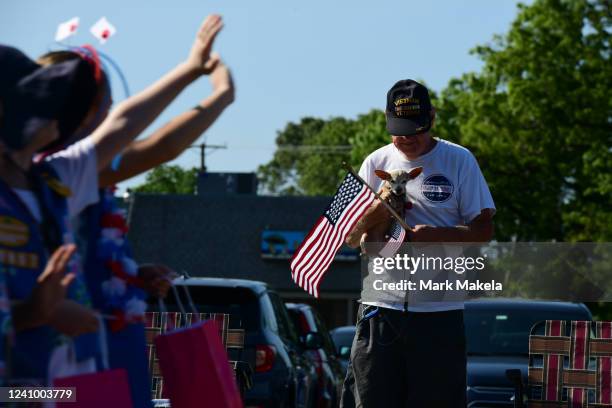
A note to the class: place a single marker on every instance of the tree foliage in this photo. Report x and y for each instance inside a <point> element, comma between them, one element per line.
<point>537,116</point>
<point>169,179</point>
<point>309,154</point>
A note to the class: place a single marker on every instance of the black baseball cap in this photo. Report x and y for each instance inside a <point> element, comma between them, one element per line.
<point>32,95</point>
<point>408,108</point>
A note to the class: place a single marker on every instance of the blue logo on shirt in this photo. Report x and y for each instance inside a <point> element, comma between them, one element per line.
<point>437,188</point>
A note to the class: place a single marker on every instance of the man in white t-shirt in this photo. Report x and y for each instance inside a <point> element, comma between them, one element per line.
<point>404,355</point>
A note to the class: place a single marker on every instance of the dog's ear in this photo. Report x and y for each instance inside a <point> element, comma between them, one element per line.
<point>383,175</point>
<point>414,173</point>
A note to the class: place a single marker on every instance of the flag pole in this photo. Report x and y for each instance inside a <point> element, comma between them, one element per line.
<point>391,210</point>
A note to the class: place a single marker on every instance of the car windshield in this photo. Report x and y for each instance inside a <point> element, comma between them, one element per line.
<point>506,331</point>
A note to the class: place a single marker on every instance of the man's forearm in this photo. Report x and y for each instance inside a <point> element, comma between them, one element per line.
<point>374,216</point>
<point>461,233</point>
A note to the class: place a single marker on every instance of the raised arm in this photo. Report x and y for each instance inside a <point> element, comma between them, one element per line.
<point>133,115</point>
<point>175,136</point>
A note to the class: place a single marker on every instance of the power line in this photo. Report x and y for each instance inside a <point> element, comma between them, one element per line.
<point>307,149</point>
<point>315,148</point>
<point>203,147</point>
<point>331,149</point>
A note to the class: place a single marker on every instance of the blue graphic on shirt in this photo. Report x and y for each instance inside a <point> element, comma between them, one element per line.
<point>437,188</point>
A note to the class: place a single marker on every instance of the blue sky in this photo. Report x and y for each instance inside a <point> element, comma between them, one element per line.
<point>290,59</point>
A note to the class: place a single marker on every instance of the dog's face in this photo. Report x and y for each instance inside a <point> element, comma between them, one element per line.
<point>396,180</point>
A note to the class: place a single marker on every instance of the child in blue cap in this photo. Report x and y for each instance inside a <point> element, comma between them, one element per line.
<point>41,198</point>
<point>33,208</point>
<point>117,284</point>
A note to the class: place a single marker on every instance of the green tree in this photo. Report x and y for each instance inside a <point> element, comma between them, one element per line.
<point>166,179</point>
<point>370,134</point>
<point>538,118</point>
<point>308,157</point>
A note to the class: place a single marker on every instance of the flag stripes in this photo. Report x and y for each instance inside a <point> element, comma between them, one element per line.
<point>317,251</point>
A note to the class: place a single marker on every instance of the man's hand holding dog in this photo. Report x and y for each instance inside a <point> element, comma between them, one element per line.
<point>377,217</point>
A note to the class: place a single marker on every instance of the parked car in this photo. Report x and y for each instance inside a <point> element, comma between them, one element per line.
<point>343,339</point>
<point>497,333</point>
<point>282,375</point>
<point>330,374</point>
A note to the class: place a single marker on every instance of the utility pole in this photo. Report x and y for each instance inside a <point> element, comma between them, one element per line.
<point>203,147</point>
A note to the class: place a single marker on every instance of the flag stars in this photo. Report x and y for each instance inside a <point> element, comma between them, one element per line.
<point>347,192</point>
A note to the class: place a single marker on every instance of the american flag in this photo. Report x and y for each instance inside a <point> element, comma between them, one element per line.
<point>315,254</point>
<point>396,239</point>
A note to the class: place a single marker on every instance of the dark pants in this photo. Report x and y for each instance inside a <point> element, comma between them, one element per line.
<point>406,359</point>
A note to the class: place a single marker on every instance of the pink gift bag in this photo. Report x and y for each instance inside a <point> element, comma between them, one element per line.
<point>108,388</point>
<point>196,369</point>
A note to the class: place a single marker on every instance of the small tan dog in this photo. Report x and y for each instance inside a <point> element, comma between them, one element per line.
<point>394,193</point>
<point>396,180</point>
